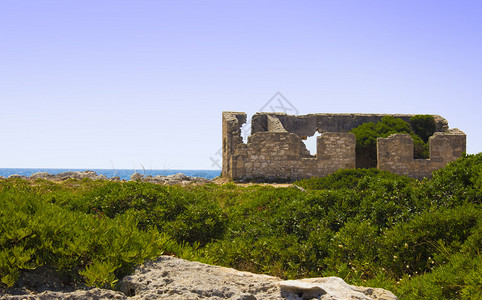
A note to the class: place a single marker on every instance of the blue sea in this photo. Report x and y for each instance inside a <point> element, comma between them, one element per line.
<point>122,173</point>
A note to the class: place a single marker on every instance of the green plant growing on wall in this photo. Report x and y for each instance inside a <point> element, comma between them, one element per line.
<point>423,126</point>
<point>367,133</point>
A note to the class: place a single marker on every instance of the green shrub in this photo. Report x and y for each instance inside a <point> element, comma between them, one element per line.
<point>187,216</point>
<point>356,243</point>
<point>36,233</point>
<point>348,179</point>
<point>423,126</point>
<point>372,228</point>
<point>367,133</point>
<point>341,179</point>
<point>460,278</point>
<point>428,240</point>
<point>457,183</point>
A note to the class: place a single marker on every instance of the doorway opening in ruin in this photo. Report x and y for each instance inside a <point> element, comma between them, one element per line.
<point>366,158</point>
<point>310,143</point>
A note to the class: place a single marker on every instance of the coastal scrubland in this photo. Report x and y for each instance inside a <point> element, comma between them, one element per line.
<point>418,239</point>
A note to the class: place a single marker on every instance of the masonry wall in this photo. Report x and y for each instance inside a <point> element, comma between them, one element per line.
<point>232,140</point>
<point>276,154</point>
<point>283,156</point>
<point>275,150</point>
<point>395,153</point>
<point>307,125</point>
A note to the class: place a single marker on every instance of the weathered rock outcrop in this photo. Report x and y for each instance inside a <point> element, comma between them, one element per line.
<point>178,178</point>
<point>158,179</point>
<point>16,176</point>
<point>68,175</point>
<point>173,278</point>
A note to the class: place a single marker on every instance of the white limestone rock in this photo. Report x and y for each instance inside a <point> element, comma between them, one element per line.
<point>330,288</point>
<point>41,175</point>
<point>75,295</point>
<point>136,176</point>
<point>77,175</point>
<point>16,176</point>
<point>173,278</point>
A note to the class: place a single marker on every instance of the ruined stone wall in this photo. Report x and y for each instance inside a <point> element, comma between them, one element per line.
<point>275,150</point>
<point>276,154</point>
<point>232,140</point>
<point>307,125</point>
<point>282,155</point>
<point>395,153</point>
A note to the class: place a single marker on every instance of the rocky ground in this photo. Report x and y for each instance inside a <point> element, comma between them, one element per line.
<point>173,278</point>
<point>179,179</point>
<point>158,179</point>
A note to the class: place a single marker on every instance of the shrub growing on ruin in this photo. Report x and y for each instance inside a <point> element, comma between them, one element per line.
<point>423,126</point>
<point>366,139</point>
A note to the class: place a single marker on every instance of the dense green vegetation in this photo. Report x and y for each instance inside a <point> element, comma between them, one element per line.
<point>423,126</point>
<point>421,240</point>
<point>420,128</point>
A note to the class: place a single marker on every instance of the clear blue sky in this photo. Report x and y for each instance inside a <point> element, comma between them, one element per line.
<point>116,83</point>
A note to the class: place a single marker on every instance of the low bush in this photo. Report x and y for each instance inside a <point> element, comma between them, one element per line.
<point>36,233</point>
<point>428,240</point>
<point>187,216</point>
<point>342,179</point>
<point>371,228</point>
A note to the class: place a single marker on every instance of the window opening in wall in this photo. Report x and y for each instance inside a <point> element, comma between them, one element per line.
<point>246,130</point>
<point>310,143</point>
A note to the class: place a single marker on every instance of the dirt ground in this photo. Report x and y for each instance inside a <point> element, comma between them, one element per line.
<point>276,185</point>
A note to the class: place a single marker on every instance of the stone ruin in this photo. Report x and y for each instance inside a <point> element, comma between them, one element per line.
<point>275,150</point>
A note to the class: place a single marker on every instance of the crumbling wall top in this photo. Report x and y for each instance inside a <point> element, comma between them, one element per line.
<point>307,125</point>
